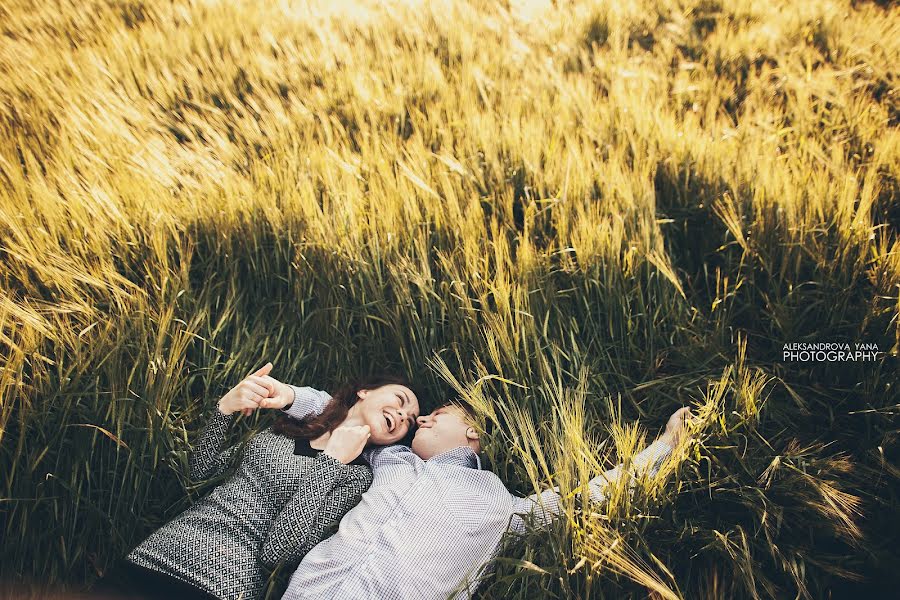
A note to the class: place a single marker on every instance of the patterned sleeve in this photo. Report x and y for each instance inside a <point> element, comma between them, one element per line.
<point>206,460</point>
<point>328,490</point>
<point>545,506</point>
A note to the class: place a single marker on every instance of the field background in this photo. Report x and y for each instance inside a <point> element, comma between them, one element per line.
<point>590,213</point>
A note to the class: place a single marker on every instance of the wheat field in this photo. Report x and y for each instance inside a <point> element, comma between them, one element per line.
<point>579,215</point>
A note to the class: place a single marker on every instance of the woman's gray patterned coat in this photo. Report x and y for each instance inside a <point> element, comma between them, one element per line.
<point>274,508</point>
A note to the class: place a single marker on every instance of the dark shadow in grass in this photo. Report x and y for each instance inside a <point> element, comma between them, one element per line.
<point>788,296</point>
<point>695,236</point>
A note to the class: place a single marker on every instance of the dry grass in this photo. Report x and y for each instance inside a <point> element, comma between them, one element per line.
<point>589,213</point>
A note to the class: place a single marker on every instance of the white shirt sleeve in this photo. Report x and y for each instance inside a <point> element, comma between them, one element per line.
<point>545,506</point>
<point>307,402</point>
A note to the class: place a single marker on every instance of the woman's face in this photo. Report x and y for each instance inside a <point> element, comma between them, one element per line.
<point>389,411</point>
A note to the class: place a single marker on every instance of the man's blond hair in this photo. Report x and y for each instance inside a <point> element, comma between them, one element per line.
<point>463,409</point>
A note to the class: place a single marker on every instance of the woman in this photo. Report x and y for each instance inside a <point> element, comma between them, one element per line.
<point>293,481</point>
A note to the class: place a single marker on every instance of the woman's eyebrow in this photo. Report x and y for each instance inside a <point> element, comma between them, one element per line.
<point>405,402</point>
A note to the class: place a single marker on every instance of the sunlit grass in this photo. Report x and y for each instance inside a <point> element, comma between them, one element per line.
<point>587,213</point>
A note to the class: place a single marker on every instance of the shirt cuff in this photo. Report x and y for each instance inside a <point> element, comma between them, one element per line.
<point>307,401</point>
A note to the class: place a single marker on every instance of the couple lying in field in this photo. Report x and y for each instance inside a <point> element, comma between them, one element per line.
<point>419,518</point>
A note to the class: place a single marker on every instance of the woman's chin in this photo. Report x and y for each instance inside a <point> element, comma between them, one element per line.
<point>379,432</point>
<point>382,440</point>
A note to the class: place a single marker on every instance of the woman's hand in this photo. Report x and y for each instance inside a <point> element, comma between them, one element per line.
<point>249,394</point>
<point>347,442</point>
<point>675,426</point>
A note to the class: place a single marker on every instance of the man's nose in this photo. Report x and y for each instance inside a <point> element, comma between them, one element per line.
<point>422,421</point>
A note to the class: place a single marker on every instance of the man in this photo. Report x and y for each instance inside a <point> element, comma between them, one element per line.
<point>432,518</point>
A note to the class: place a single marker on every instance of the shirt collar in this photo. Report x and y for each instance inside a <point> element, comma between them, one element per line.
<point>462,456</point>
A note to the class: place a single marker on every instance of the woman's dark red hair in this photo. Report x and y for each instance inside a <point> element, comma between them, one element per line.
<point>342,400</point>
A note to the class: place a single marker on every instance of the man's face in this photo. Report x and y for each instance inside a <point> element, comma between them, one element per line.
<point>444,429</point>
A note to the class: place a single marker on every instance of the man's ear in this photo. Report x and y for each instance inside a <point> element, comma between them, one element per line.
<point>471,434</point>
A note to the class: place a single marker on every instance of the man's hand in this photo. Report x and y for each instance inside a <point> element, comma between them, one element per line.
<point>347,442</point>
<point>675,426</point>
<point>283,394</point>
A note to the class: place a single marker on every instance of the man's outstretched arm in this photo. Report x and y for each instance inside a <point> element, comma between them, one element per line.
<point>306,402</point>
<point>545,506</point>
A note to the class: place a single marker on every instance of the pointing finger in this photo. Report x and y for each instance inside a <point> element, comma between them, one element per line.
<point>263,370</point>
